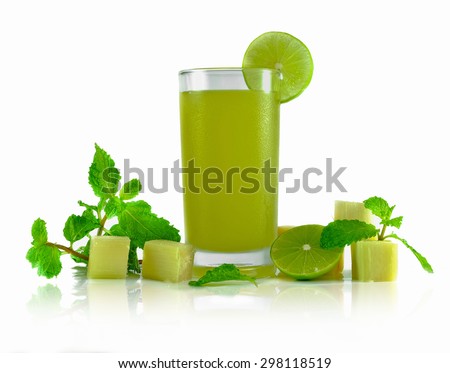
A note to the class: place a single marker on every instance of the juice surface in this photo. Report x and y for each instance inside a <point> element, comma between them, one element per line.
<point>233,133</point>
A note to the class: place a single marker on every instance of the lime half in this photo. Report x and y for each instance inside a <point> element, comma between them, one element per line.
<point>298,254</point>
<point>285,53</point>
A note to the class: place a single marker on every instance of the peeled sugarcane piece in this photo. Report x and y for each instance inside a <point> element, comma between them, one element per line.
<point>352,210</point>
<point>345,210</point>
<point>374,261</point>
<point>108,257</point>
<point>167,261</point>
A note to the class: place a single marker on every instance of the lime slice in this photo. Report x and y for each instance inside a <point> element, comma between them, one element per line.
<point>285,53</point>
<point>298,254</point>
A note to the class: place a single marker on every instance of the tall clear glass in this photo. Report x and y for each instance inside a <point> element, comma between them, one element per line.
<point>230,149</point>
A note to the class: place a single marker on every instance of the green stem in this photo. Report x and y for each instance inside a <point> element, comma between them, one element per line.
<point>102,225</point>
<point>68,250</point>
<point>103,219</point>
<point>381,235</point>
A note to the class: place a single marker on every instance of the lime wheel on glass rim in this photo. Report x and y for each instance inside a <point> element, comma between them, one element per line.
<point>285,53</point>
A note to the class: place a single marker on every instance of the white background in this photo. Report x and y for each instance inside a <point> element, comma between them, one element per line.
<point>73,73</point>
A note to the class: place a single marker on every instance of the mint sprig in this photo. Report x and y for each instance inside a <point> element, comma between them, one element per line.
<point>135,219</point>
<point>224,272</point>
<point>344,232</point>
<point>381,209</point>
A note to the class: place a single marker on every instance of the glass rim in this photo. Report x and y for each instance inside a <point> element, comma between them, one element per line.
<point>226,69</point>
<point>229,78</point>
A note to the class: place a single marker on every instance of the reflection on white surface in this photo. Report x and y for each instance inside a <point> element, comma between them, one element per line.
<point>163,303</point>
<point>143,300</point>
<point>111,312</point>
<point>374,300</point>
<point>242,298</point>
<point>107,301</point>
<point>310,300</point>
<point>45,302</point>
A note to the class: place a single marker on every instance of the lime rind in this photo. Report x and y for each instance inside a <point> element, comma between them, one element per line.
<point>285,53</point>
<point>290,257</point>
<point>262,79</point>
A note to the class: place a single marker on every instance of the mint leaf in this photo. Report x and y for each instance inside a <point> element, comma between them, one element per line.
<point>39,232</point>
<point>33,256</point>
<point>46,259</point>
<point>341,233</point>
<point>130,189</point>
<point>225,272</point>
<point>77,226</point>
<point>113,207</point>
<point>379,207</point>
<point>395,222</point>
<point>141,225</point>
<point>87,206</point>
<point>91,218</point>
<point>49,261</point>
<point>103,176</point>
<point>116,230</point>
<point>423,261</point>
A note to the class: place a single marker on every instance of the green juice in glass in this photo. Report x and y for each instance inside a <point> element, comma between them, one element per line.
<point>231,138</point>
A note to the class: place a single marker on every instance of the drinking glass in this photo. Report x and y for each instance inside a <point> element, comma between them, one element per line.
<point>230,149</point>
